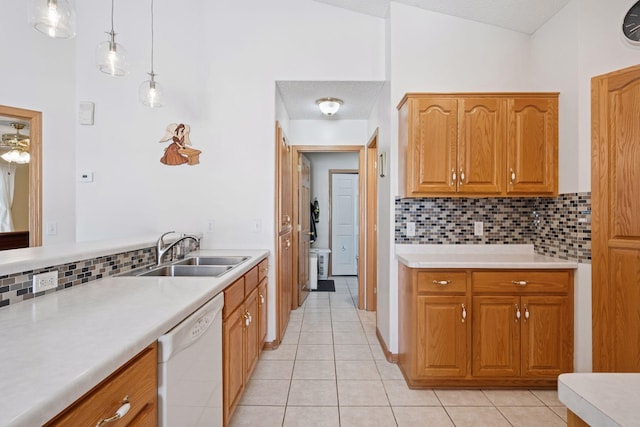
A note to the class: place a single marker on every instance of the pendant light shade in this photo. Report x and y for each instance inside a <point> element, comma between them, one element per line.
<point>111,57</point>
<point>54,18</point>
<point>329,106</point>
<point>150,92</point>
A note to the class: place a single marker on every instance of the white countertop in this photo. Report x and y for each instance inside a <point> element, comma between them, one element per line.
<point>602,399</point>
<point>55,348</point>
<point>477,256</point>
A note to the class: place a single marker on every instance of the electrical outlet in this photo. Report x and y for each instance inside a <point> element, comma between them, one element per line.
<point>211,225</point>
<point>411,229</point>
<point>256,226</point>
<point>45,281</point>
<point>478,228</point>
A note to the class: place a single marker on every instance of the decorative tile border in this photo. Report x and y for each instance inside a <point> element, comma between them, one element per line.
<point>18,287</point>
<point>564,230</point>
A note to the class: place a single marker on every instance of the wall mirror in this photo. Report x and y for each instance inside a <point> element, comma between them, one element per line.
<point>20,178</point>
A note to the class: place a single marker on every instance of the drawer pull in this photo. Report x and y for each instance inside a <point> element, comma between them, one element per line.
<point>247,319</point>
<point>513,176</point>
<point>520,282</point>
<point>526,313</point>
<point>454,177</point>
<point>461,176</point>
<point>120,413</point>
<point>464,313</point>
<point>441,282</point>
<point>517,313</point>
<point>264,269</point>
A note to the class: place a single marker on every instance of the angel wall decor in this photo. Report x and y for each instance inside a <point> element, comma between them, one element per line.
<point>179,152</point>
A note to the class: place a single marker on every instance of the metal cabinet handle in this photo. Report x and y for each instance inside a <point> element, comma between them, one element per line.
<point>461,176</point>
<point>288,243</point>
<point>526,313</point>
<point>520,282</point>
<point>264,269</point>
<point>441,282</point>
<point>513,176</point>
<point>120,413</point>
<point>464,313</point>
<point>517,313</point>
<point>287,219</point>
<point>261,299</point>
<point>454,177</point>
<point>247,319</point>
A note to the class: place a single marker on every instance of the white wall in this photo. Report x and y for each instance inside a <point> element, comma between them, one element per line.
<point>321,163</point>
<point>219,62</point>
<point>38,74</point>
<point>432,52</point>
<point>328,132</point>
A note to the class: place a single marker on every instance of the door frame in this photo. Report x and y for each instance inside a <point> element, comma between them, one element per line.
<point>371,254</point>
<point>360,149</point>
<point>330,213</point>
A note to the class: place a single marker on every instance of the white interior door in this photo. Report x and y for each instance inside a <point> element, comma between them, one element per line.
<point>344,224</point>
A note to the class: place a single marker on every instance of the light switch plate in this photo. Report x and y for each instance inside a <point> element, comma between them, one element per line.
<point>478,228</point>
<point>85,113</point>
<point>411,229</point>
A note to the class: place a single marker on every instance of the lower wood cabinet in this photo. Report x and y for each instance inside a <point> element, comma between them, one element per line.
<point>135,383</point>
<point>243,332</point>
<point>485,328</point>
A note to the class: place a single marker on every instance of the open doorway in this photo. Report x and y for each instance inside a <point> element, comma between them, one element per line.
<point>319,191</point>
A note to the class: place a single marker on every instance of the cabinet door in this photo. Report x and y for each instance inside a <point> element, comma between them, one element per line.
<point>233,360</point>
<point>432,146</point>
<point>496,336</point>
<point>262,312</point>
<point>532,146</point>
<point>547,339</point>
<point>284,283</point>
<point>252,332</point>
<point>442,336</point>
<point>481,137</point>
<point>285,207</point>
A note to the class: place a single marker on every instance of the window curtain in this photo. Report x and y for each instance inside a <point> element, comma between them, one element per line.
<point>7,185</point>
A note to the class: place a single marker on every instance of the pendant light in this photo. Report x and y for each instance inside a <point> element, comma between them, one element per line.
<point>329,106</point>
<point>54,18</point>
<point>111,57</point>
<point>150,92</point>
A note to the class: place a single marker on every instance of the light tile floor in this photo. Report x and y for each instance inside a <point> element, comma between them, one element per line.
<point>330,371</point>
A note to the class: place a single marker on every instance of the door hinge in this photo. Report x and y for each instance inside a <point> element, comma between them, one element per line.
<point>375,227</point>
<point>375,164</point>
<point>299,227</point>
<point>375,290</point>
<point>299,168</point>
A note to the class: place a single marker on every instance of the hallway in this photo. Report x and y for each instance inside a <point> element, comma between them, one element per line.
<point>331,371</point>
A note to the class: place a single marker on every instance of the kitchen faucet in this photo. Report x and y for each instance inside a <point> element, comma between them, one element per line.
<point>161,249</point>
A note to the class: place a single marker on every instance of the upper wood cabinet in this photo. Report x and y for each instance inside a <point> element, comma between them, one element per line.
<point>478,144</point>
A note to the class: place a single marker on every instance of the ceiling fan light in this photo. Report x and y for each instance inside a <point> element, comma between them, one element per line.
<point>16,156</point>
<point>53,18</point>
<point>329,106</point>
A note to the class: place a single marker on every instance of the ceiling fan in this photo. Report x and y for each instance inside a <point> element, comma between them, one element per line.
<point>16,144</point>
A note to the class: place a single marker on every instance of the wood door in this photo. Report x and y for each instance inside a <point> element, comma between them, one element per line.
<point>481,138</point>
<point>284,283</point>
<point>233,372</point>
<point>304,229</point>
<point>441,336</point>
<point>496,336</point>
<point>532,146</point>
<point>252,332</point>
<point>285,208</point>
<point>615,180</point>
<point>263,312</point>
<point>547,336</point>
<point>433,133</point>
<point>371,264</point>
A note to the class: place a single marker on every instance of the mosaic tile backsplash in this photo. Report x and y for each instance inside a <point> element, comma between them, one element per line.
<point>558,227</point>
<point>18,287</point>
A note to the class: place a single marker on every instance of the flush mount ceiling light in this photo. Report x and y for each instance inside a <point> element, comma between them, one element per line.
<point>150,91</point>
<point>18,145</point>
<point>329,106</point>
<point>111,57</point>
<point>54,18</point>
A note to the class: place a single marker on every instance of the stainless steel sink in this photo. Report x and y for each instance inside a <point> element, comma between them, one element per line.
<point>213,260</point>
<point>189,270</point>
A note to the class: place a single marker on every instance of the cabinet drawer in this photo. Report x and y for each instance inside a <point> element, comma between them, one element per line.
<point>233,296</point>
<point>442,281</point>
<point>521,281</point>
<point>137,380</point>
<point>263,269</point>
<point>251,280</point>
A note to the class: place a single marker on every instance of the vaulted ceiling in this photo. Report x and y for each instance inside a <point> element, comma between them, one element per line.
<point>524,16</point>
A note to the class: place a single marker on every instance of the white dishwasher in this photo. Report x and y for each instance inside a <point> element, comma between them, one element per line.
<point>190,370</point>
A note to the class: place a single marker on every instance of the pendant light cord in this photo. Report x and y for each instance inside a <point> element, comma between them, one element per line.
<point>112,2</point>
<point>152,39</point>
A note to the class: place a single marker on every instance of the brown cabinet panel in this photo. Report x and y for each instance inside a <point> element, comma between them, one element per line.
<point>233,297</point>
<point>625,284</point>
<point>481,145</point>
<point>545,351</point>
<point>137,380</point>
<point>521,281</point>
<point>532,146</point>
<point>252,343</point>
<point>233,360</point>
<point>496,336</point>
<point>285,283</point>
<point>442,336</point>
<point>263,311</point>
<point>442,281</point>
<point>251,280</point>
